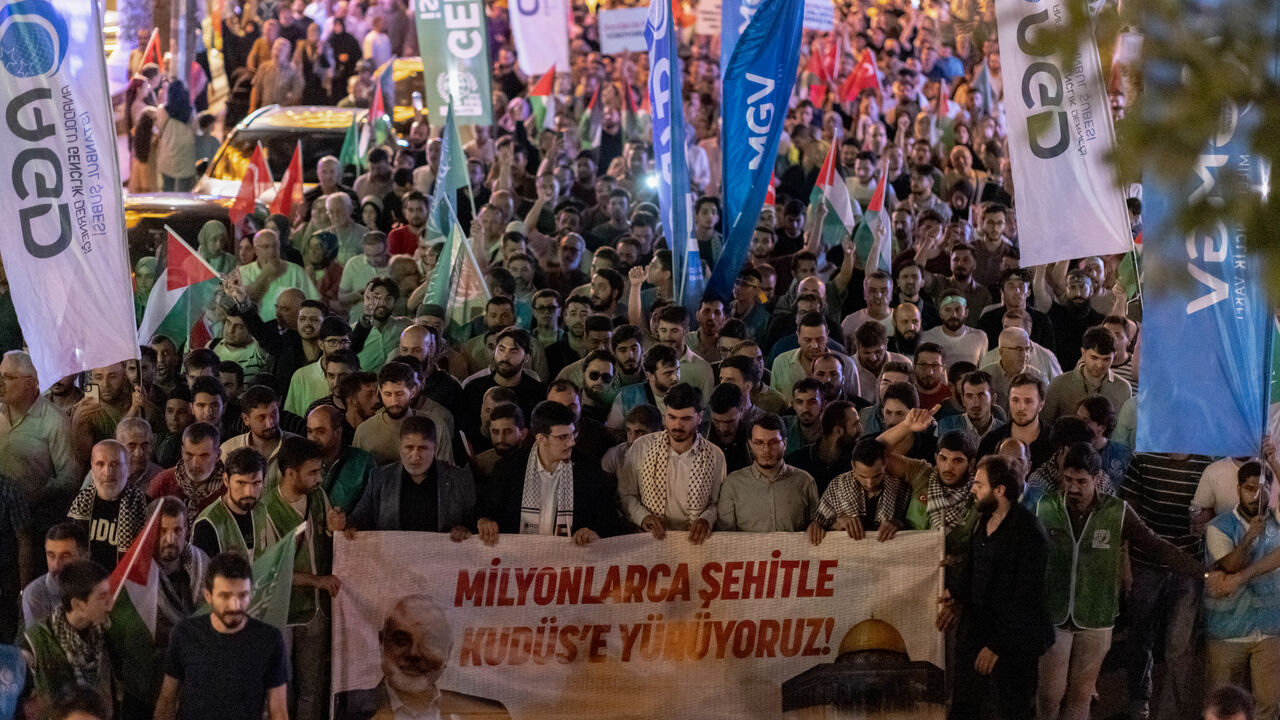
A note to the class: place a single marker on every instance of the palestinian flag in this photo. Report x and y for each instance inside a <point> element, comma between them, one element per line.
<point>177,303</point>
<point>873,239</point>
<point>830,190</point>
<point>135,598</point>
<point>589,127</point>
<point>636,124</point>
<point>350,155</point>
<point>152,52</point>
<point>543,99</point>
<point>377,125</point>
<point>864,76</point>
<point>289,197</point>
<point>256,180</point>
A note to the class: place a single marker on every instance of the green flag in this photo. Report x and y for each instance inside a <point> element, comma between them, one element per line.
<point>273,581</point>
<point>350,154</point>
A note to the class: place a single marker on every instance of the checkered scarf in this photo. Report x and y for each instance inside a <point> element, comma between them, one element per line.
<point>83,648</point>
<point>532,500</point>
<point>946,505</point>
<point>845,497</point>
<point>129,518</point>
<point>195,493</point>
<point>655,470</point>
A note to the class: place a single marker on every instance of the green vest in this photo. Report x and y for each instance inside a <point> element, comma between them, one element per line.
<point>1083,575</point>
<point>218,515</point>
<point>315,552</point>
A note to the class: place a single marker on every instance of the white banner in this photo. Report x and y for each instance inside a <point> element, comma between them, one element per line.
<point>66,253</point>
<point>819,15</point>
<point>622,30</point>
<point>1060,133</point>
<point>743,626</point>
<point>708,22</point>
<point>540,29</point>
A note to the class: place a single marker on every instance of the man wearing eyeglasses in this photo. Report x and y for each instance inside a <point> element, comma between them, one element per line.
<point>769,495</point>
<point>549,489</point>
<point>1013,350</point>
<point>546,318</point>
<point>309,383</point>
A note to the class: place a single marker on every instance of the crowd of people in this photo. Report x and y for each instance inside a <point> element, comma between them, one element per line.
<point>958,392</point>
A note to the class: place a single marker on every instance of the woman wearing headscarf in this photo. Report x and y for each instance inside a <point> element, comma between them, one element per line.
<point>144,279</point>
<point>212,242</point>
<point>176,141</point>
<point>372,216</point>
<point>319,260</point>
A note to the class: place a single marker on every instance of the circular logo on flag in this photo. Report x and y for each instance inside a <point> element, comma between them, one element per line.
<point>457,85</point>
<point>33,38</point>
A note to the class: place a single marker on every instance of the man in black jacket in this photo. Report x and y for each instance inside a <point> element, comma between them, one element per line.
<point>549,489</point>
<point>997,598</point>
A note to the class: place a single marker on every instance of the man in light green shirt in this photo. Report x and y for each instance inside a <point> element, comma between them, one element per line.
<point>377,335</point>
<point>269,275</point>
<point>768,495</point>
<point>359,270</point>
<point>350,233</point>
<point>792,366</point>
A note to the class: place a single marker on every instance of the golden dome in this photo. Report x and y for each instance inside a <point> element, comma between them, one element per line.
<point>873,634</point>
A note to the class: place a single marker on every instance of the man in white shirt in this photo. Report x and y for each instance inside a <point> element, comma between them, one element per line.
<point>957,340</point>
<point>671,479</point>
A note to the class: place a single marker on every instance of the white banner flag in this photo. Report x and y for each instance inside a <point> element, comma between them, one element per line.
<point>622,30</point>
<point>746,625</point>
<point>65,251</point>
<point>540,29</point>
<point>1068,202</point>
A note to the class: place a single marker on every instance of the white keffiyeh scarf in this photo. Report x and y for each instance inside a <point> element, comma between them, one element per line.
<point>655,474</point>
<point>531,502</point>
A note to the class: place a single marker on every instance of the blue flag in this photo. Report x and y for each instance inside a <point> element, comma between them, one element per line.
<point>734,17</point>
<point>756,93</point>
<point>1206,338</point>
<point>667,108</point>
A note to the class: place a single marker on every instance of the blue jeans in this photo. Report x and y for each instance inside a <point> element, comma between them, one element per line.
<point>1163,599</point>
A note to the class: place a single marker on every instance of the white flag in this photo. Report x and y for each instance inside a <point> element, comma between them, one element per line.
<point>65,249</point>
<point>541,33</point>
<point>1068,202</point>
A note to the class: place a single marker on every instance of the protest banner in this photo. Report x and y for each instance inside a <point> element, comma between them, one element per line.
<point>540,30</point>
<point>708,22</point>
<point>66,253</point>
<point>457,70</point>
<point>1060,134</point>
<point>819,15</point>
<point>622,30</point>
<point>744,625</point>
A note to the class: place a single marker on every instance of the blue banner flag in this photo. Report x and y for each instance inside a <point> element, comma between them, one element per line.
<point>1206,338</point>
<point>756,94</point>
<point>734,17</point>
<point>667,108</point>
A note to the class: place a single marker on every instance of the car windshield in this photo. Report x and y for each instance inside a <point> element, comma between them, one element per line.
<point>278,145</point>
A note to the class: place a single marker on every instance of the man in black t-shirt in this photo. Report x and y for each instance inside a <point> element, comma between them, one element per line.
<point>110,509</point>
<point>225,665</point>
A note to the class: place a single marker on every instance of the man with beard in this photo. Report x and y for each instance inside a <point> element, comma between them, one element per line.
<point>507,430</point>
<point>238,346</point>
<point>863,179</point>
<point>297,499</point>
<point>573,345</point>
<point>627,345</point>
<point>728,432</point>
<point>673,326</point>
<point>599,335</point>
<point>593,439</point>
<point>422,343</point>
<point>67,651</point>
<point>1015,288</point>
<point>805,426</point>
<point>670,480</point>
<point>291,349</point>
<point>181,576</point>
<point>236,521</point>
<point>997,598</point>
<point>398,388</point>
<point>550,489</point>
<point>828,371</point>
<point>377,335</point>
<point>769,495</point>
<point>346,469</point>
<point>862,500</point>
<point>961,282</point>
<point>705,341</point>
<point>511,354</point>
<point>311,382</point>
<point>197,480</point>
<point>978,418</point>
<point>1026,400</point>
<point>742,371</point>
<point>831,454</point>
<point>940,494</point>
<point>64,543</point>
<point>95,419</point>
<point>747,305</point>
<point>1241,543</point>
<point>906,329</point>
<point>260,411</point>
<point>794,365</point>
<point>225,664</point>
<point>358,394</point>
<point>336,365</point>
<point>1092,377</point>
<point>661,372</point>
<point>871,341</point>
<point>416,645</point>
<point>403,240</point>
<point>376,181</point>
<point>607,288</point>
<point>111,510</point>
<point>1071,317</point>
<point>957,340</point>
<point>877,288</point>
<point>599,388</point>
<point>909,291</point>
<point>419,492</point>
<point>1088,533</point>
<point>168,363</point>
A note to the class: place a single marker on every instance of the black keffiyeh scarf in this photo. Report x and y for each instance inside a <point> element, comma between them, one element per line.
<point>83,648</point>
<point>196,493</point>
<point>129,518</point>
<point>946,505</point>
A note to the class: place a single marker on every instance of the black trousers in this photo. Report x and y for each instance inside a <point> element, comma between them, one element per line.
<point>1007,693</point>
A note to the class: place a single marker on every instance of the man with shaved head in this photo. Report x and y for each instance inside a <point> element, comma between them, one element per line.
<point>423,343</point>
<point>346,469</point>
<point>416,643</point>
<point>111,510</point>
<point>95,418</point>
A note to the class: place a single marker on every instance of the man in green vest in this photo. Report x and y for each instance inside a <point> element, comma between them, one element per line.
<point>237,522</point>
<point>68,649</point>
<point>346,468</point>
<point>1087,531</point>
<point>297,499</point>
